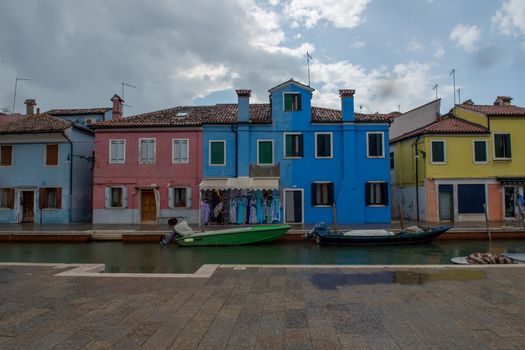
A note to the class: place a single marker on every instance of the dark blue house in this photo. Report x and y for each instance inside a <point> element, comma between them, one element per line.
<point>288,161</point>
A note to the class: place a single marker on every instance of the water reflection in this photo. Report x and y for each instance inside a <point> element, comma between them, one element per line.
<point>151,257</point>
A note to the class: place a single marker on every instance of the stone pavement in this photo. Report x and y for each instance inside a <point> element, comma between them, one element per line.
<point>266,308</point>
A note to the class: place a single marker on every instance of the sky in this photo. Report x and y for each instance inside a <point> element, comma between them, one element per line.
<point>187,52</point>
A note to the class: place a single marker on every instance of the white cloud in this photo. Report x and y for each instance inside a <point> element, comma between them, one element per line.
<point>414,45</point>
<point>358,44</point>
<point>377,90</point>
<point>439,52</point>
<point>343,14</point>
<point>466,37</point>
<point>510,17</point>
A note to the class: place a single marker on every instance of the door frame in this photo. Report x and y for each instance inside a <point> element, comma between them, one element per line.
<point>152,189</point>
<point>20,207</point>
<point>302,204</point>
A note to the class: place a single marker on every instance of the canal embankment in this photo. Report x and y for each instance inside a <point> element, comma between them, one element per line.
<point>152,233</point>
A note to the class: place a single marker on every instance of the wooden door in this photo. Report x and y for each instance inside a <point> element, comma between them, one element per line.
<point>28,206</point>
<point>148,207</point>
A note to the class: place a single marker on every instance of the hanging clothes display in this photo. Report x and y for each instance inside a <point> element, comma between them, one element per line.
<point>253,211</point>
<point>205,212</point>
<point>259,204</point>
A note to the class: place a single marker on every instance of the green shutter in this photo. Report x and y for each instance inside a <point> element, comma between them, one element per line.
<point>265,152</point>
<point>508,153</point>
<point>217,153</point>
<point>438,151</point>
<point>288,102</point>
<point>289,141</point>
<point>480,151</point>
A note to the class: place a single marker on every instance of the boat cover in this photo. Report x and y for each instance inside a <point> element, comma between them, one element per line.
<point>374,233</point>
<point>248,183</point>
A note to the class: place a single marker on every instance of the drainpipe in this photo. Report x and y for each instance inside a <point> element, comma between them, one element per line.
<point>417,178</point>
<point>234,130</point>
<point>70,174</point>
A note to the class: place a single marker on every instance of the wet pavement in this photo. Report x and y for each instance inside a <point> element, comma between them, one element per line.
<point>266,308</point>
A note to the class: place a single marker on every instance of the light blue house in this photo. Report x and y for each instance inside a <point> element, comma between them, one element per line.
<point>299,161</point>
<point>45,170</point>
<point>89,116</point>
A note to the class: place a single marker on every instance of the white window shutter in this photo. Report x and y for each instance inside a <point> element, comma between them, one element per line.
<point>107,197</point>
<point>124,197</point>
<point>184,151</point>
<point>188,197</point>
<point>170,197</point>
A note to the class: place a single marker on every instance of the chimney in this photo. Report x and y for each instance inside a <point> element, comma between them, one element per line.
<point>117,107</point>
<point>503,101</point>
<point>347,104</point>
<point>243,105</point>
<point>30,106</point>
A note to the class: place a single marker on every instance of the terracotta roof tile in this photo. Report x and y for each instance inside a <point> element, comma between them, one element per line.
<point>78,111</point>
<point>450,125</point>
<point>37,123</point>
<point>225,113</point>
<point>493,110</point>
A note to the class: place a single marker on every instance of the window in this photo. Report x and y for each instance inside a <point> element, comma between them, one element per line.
<point>292,102</point>
<point>438,152</point>
<point>50,198</point>
<point>117,151</point>
<point>322,193</point>
<point>502,146</point>
<point>392,160</point>
<point>471,199</point>
<point>323,145</point>
<point>7,198</point>
<point>51,155</point>
<point>115,197</point>
<point>147,151</point>
<point>217,153</point>
<point>293,145</point>
<point>480,151</point>
<point>6,155</point>
<point>374,145</point>
<point>180,151</point>
<point>265,152</point>
<point>376,193</point>
<point>179,197</point>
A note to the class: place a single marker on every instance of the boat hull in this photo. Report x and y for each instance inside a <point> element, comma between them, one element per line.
<point>237,236</point>
<point>401,238</point>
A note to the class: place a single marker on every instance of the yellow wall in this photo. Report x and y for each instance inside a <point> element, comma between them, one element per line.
<point>405,162</point>
<point>471,116</point>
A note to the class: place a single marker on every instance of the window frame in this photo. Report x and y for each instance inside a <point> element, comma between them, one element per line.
<point>173,151</point>
<point>154,150</point>
<point>122,189</point>
<point>314,195</point>
<point>10,198</point>
<point>494,146</point>
<point>273,155</point>
<point>12,154</point>
<point>58,198</point>
<point>300,102</point>
<point>284,144</point>
<point>58,156</point>
<point>444,152</point>
<point>209,152</point>
<point>331,144</point>
<point>384,202</point>
<point>171,200</point>
<point>382,144</point>
<point>123,151</point>
<point>474,152</point>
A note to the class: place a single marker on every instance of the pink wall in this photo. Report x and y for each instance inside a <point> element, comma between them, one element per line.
<point>162,174</point>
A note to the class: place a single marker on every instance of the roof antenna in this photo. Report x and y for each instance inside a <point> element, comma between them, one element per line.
<point>453,73</point>
<point>16,84</point>
<point>308,58</point>
<point>459,95</point>
<point>436,88</point>
<point>131,86</point>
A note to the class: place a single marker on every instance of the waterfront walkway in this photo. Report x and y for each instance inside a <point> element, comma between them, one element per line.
<point>266,308</point>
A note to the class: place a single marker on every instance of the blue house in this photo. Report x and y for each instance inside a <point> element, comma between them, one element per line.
<point>45,170</point>
<point>288,161</point>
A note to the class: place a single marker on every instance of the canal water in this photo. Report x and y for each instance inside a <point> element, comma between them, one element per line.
<point>151,257</point>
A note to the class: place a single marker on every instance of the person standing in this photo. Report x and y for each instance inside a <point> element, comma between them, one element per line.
<point>520,206</point>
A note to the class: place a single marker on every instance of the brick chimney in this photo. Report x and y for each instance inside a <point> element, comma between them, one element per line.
<point>117,107</point>
<point>243,105</point>
<point>347,105</point>
<point>30,106</point>
<point>503,101</point>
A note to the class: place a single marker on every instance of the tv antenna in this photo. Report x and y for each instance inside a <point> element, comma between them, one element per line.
<point>453,73</point>
<point>128,85</point>
<point>436,88</point>
<point>308,58</point>
<point>16,85</point>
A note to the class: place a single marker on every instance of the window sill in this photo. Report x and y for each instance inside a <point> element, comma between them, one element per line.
<point>293,157</point>
<point>117,163</point>
<point>116,208</point>
<point>502,159</point>
<point>268,165</point>
<point>6,166</point>
<point>438,163</point>
<point>5,209</point>
<point>322,206</point>
<point>180,162</point>
<point>377,205</point>
<point>375,157</point>
<point>216,164</point>
<point>480,163</point>
<point>50,209</point>
<point>330,157</point>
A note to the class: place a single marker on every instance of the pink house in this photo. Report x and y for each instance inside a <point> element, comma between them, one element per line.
<point>148,167</point>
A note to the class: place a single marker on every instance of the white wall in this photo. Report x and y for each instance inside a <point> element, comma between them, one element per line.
<point>415,118</point>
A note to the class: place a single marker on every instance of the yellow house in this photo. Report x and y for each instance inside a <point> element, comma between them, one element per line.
<point>455,167</point>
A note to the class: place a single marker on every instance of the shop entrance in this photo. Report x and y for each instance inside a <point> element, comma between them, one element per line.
<point>293,206</point>
<point>27,206</point>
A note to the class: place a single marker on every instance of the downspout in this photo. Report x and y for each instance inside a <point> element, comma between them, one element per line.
<point>417,178</point>
<point>70,174</point>
<point>234,130</point>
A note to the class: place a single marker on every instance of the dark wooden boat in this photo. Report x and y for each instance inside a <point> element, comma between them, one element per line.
<point>323,235</point>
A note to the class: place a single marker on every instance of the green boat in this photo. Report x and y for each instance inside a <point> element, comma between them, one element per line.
<point>234,236</point>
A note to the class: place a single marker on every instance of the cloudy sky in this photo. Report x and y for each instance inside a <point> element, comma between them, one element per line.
<point>183,52</point>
